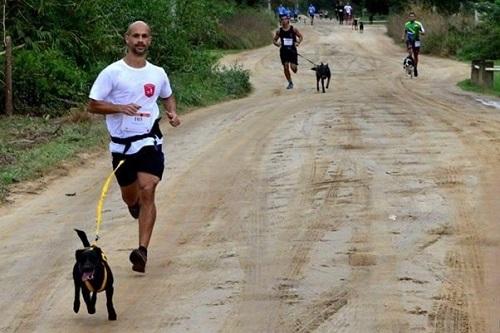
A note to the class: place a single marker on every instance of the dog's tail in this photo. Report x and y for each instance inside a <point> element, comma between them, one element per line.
<point>83,237</point>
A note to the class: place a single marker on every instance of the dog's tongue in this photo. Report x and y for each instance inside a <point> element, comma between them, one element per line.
<point>87,276</point>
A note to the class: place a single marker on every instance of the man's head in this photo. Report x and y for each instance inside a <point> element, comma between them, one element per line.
<point>412,16</point>
<point>138,38</point>
<point>285,20</point>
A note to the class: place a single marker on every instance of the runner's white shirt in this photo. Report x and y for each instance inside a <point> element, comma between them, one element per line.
<point>120,83</point>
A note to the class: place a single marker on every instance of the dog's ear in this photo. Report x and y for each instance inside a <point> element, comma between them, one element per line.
<point>83,237</point>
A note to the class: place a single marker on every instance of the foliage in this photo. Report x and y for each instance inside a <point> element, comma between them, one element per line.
<point>484,40</point>
<point>454,35</point>
<point>47,79</point>
<point>67,42</point>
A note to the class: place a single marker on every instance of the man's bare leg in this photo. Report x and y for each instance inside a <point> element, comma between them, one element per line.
<point>147,186</point>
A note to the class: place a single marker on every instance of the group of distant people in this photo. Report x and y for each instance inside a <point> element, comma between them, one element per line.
<point>288,37</point>
<point>344,13</point>
<point>289,12</point>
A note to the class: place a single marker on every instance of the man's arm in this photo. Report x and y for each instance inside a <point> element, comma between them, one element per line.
<point>422,30</point>
<point>275,39</point>
<point>299,35</point>
<point>171,110</point>
<point>101,107</point>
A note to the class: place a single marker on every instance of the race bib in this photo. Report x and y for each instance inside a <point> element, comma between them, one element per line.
<point>139,123</point>
<point>287,41</point>
<point>417,43</point>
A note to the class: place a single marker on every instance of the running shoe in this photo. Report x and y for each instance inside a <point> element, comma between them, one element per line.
<point>138,259</point>
<point>290,85</point>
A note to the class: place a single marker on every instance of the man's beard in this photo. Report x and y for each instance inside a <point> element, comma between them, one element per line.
<point>138,52</point>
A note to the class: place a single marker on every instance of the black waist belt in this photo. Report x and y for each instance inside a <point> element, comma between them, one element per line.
<point>155,132</point>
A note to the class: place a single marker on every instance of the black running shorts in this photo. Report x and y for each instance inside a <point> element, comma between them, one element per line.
<point>149,159</point>
<point>288,56</point>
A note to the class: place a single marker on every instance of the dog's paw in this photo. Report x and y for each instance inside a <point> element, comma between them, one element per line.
<point>76,306</point>
<point>112,315</point>
<point>91,310</point>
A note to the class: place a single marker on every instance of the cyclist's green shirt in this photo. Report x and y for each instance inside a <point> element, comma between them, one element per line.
<point>413,30</point>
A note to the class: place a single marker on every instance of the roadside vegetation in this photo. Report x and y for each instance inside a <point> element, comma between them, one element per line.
<point>61,45</point>
<point>465,30</point>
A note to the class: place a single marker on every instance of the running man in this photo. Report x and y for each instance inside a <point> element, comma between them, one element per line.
<point>311,10</point>
<point>411,35</point>
<point>348,13</point>
<point>287,38</point>
<point>126,92</point>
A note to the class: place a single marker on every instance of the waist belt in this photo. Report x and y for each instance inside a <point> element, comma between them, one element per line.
<point>155,132</point>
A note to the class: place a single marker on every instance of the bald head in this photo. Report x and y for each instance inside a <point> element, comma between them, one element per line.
<point>137,25</point>
<point>138,38</point>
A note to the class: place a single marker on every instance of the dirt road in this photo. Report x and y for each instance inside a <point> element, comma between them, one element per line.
<point>371,208</point>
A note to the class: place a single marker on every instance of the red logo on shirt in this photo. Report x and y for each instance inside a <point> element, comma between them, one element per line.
<point>149,89</point>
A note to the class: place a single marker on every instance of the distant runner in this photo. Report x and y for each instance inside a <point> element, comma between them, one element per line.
<point>288,38</point>
<point>311,10</point>
<point>413,30</point>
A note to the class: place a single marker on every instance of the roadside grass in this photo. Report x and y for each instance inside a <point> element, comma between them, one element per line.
<point>32,146</point>
<point>467,85</point>
<point>248,28</point>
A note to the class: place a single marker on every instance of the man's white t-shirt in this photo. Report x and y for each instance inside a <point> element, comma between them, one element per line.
<point>120,83</point>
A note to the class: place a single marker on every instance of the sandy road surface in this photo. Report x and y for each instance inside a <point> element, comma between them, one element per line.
<point>371,208</point>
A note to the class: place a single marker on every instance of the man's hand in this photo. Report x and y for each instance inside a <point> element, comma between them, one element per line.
<point>129,109</point>
<point>173,119</point>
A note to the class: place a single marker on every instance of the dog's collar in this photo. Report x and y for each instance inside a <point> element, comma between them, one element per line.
<point>103,285</point>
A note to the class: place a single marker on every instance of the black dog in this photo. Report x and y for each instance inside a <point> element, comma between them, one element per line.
<point>91,273</point>
<point>322,73</point>
<point>361,26</point>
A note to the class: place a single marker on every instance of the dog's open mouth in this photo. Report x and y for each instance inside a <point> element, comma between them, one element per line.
<point>87,276</point>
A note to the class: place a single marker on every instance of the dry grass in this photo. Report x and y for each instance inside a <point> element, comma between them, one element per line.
<point>247,29</point>
<point>444,34</point>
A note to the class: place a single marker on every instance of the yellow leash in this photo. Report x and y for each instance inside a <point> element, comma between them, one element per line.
<point>100,204</point>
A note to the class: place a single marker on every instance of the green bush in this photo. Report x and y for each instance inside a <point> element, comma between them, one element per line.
<point>484,43</point>
<point>47,81</point>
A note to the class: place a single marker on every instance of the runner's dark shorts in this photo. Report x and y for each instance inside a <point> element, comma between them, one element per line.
<point>288,56</point>
<point>149,159</point>
<point>411,44</point>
